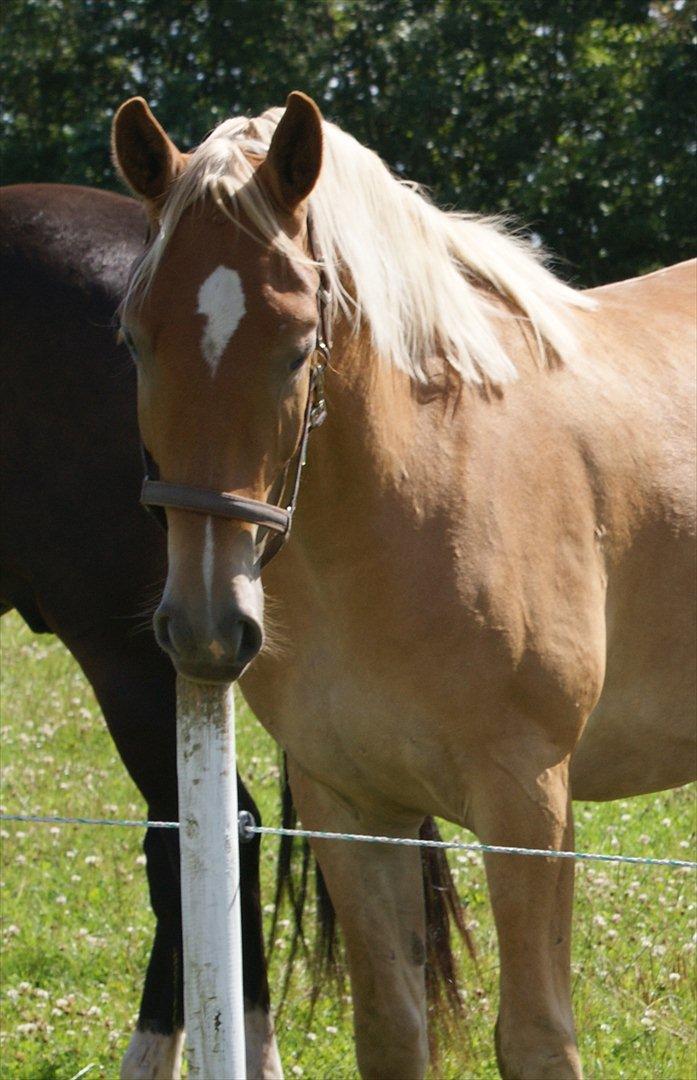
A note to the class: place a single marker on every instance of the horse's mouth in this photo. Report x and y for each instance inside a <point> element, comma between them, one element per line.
<point>210,673</point>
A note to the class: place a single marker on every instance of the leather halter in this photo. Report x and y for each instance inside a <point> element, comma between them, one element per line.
<point>277,519</point>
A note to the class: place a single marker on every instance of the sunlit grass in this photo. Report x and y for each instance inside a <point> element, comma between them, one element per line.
<point>76,923</point>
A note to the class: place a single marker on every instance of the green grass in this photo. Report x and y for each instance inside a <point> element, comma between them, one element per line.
<point>76,923</point>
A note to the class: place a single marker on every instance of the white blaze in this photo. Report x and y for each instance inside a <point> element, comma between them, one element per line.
<point>221,300</point>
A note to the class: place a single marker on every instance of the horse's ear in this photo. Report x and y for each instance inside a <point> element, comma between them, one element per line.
<point>143,152</point>
<point>294,160</point>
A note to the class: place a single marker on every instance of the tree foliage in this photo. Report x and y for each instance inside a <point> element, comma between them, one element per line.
<point>574,117</point>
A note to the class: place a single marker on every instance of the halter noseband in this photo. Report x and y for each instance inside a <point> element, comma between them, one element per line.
<point>157,494</point>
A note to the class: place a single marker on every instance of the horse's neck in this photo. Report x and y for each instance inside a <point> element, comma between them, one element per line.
<point>359,460</point>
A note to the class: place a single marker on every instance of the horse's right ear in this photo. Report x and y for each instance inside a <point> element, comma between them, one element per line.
<point>144,154</point>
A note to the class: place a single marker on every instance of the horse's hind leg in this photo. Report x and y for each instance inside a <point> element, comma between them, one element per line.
<point>377,892</point>
<point>519,796</point>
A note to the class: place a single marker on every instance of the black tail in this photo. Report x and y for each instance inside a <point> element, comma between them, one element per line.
<point>444,910</point>
<point>291,882</point>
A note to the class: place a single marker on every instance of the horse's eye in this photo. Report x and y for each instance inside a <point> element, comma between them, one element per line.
<point>299,361</point>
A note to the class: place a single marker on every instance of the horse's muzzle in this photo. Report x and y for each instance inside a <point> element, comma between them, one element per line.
<point>220,655</point>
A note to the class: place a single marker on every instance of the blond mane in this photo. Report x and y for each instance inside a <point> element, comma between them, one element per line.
<point>419,278</point>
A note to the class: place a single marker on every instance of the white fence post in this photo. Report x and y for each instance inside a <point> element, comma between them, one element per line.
<point>210,879</point>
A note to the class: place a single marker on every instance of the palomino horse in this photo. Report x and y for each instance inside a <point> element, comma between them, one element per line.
<point>485,600</point>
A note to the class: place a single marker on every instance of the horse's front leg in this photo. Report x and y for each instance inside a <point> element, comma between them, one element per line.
<point>136,690</point>
<point>519,796</point>
<point>378,895</point>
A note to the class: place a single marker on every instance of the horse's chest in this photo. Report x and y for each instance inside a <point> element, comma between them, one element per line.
<point>346,727</point>
<point>393,670</point>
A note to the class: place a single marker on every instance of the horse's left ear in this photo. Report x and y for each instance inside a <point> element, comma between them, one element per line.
<point>294,160</point>
<point>143,152</point>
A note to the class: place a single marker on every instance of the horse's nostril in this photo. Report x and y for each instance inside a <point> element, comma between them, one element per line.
<point>161,627</point>
<point>250,641</point>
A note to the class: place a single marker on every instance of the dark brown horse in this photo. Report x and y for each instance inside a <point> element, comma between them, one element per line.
<point>80,558</point>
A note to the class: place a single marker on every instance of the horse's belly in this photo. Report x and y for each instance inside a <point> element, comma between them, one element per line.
<point>641,736</point>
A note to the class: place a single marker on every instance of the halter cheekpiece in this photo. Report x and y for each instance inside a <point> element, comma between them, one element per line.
<point>157,494</point>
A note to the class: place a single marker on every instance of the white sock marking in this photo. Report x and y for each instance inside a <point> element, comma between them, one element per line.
<point>221,300</point>
<point>263,1061</point>
<point>153,1057</point>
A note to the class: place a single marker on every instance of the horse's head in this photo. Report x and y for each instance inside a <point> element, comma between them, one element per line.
<point>222,318</point>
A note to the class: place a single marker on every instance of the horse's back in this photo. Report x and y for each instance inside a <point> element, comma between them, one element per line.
<point>673,286</point>
<point>63,231</point>
<point>641,736</point>
<point>74,543</point>
<point>654,318</point>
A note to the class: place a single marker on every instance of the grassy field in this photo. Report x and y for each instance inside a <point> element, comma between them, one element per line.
<point>76,924</point>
